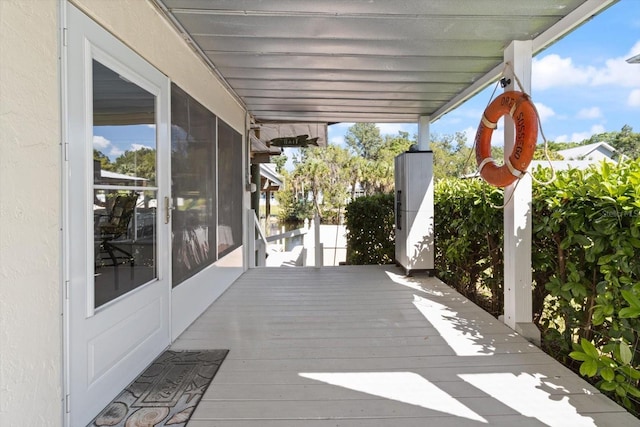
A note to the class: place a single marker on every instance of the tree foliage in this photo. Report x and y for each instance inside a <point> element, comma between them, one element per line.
<point>327,178</point>
<point>293,207</point>
<point>364,139</point>
<point>105,162</point>
<point>370,230</point>
<point>451,156</point>
<point>279,162</point>
<point>140,163</point>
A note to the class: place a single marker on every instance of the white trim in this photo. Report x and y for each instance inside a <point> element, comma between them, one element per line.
<point>484,163</point>
<point>517,286</point>
<point>100,357</point>
<point>515,172</point>
<point>64,218</point>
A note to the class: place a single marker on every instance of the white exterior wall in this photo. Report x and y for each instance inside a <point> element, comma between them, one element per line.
<point>30,198</point>
<point>160,44</point>
<point>31,373</point>
<point>598,155</point>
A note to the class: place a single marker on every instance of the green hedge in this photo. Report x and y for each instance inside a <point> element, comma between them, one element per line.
<point>468,240</point>
<point>370,230</point>
<point>587,255</point>
<point>585,259</point>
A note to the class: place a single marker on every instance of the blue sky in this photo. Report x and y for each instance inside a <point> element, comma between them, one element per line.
<point>115,140</point>
<point>581,85</point>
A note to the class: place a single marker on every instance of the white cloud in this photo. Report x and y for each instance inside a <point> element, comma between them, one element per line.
<point>100,142</point>
<point>553,70</point>
<point>497,137</point>
<point>619,72</point>
<point>338,140</point>
<point>589,113</point>
<point>543,111</point>
<point>136,147</point>
<point>394,128</point>
<point>634,98</point>
<point>115,152</point>
<point>339,127</point>
<point>336,133</point>
<point>471,135</point>
<point>580,136</point>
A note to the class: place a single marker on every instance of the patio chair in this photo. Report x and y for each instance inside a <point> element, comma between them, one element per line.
<point>116,226</point>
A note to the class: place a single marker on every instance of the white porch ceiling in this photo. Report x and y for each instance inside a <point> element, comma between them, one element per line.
<point>365,60</point>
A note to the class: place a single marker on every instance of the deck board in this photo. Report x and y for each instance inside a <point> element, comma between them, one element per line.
<point>365,346</point>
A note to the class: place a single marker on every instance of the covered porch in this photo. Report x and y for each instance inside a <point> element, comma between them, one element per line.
<point>367,346</point>
<point>307,346</point>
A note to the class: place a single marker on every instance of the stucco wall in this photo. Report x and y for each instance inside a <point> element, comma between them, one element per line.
<point>30,303</point>
<point>163,47</point>
<point>30,176</point>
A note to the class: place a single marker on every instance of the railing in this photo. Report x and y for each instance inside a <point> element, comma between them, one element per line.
<point>257,245</point>
<point>312,248</point>
<point>295,255</point>
<point>312,252</point>
<point>287,235</point>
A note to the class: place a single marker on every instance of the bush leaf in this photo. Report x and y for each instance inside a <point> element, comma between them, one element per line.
<point>625,353</point>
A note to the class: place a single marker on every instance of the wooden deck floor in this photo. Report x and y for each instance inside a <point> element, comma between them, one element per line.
<point>365,346</point>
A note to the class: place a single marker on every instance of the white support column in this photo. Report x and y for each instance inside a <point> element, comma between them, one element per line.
<point>318,248</point>
<point>518,302</point>
<point>251,239</point>
<point>423,133</point>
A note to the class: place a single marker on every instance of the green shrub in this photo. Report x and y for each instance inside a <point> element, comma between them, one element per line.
<point>585,261</point>
<point>370,230</point>
<point>468,240</point>
<point>586,254</point>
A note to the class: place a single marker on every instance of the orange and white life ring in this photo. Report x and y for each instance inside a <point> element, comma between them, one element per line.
<point>519,106</point>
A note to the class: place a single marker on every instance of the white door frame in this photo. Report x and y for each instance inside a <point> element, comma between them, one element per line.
<point>106,348</point>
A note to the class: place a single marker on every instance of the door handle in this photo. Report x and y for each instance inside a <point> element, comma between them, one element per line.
<point>168,207</point>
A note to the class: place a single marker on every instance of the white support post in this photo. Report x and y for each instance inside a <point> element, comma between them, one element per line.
<point>251,238</point>
<point>309,243</point>
<point>318,249</point>
<point>423,133</point>
<point>518,302</point>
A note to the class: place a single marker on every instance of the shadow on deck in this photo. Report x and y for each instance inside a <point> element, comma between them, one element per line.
<point>366,346</point>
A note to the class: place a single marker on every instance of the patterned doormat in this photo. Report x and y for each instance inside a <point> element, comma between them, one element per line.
<point>166,393</point>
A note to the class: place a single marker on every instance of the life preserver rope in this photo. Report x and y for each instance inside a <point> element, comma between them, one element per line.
<point>519,106</point>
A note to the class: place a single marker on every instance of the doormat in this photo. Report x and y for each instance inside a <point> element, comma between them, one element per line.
<point>166,393</point>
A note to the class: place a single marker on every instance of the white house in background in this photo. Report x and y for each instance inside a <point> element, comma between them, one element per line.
<point>580,157</point>
<point>591,152</point>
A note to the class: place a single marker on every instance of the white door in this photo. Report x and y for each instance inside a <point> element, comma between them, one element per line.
<point>117,232</point>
